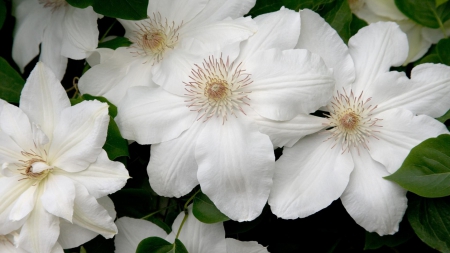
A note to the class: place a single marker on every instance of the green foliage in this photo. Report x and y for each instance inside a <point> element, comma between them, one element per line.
<point>443,50</point>
<point>266,6</point>
<point>159,245</point>
<point>426,170</point>
<point>339,16</point>
<point>430,220</point>
<point>11,83</point>
<point>374,241</point>
<point>115,43</point>
<point>2,13</point>
<point>425,12</point>
<point>205,210</point>
<point>444,117</point>
<point>439,2</point>
<point>124,9</point>
<point>356,24</point>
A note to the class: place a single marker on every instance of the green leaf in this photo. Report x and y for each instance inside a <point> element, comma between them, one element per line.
<point>425,12</point>
<point>430,220</point>
<point>374,241</point>
<point>124,9</point>
<point>205,210</point>
<point>2,13</point>
<point>443,50</point>
<point>444,117</point>
<point>160,224</point>
<point>82,250</point>
<point>266,6</point>
<point>426,170</point>
<point>431,58</point>
<point>115,145</point>
<point>439,2</point>
<point>115,43</point>
<point>159,245</point>
<point>339,17</point>
<point>11,83</point>
<point>356,25</point>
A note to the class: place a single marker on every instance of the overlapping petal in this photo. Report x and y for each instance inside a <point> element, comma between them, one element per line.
<point>58,196</point>
<point>24,204</point>
<point>17,126</point>
<point>177,11</point>
<point>217,10</point>
<point>11,189</point>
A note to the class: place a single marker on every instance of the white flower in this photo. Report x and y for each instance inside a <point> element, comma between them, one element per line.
<point>371,128</point>
<point>214,133</point>
<point>64,31</point>
<point>175,33</point>
<point>54,171</point>
<point>420,38</point>
<point>196,236</point>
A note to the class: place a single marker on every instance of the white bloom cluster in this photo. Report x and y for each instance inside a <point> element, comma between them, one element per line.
<point>214,93</point>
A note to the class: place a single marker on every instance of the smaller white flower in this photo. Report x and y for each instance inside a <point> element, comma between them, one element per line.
<point>196,236</point>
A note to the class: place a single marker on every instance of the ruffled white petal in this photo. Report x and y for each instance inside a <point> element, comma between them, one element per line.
<point>280,29</point>
<point>150,116</point>
<point>9,152</point>
<point>235,166</point>
<point>373,202</point>
<point>24,204</point>
<point>172,169</point>
<point>309,176</point>
<point>79,136</point>
<point>197,236</point>
<point>374,49</point>
<point>286,83</point>
<point>178,11</point>
<point>217,10</point>
<point>236,246</point>
<point>418,45</point>
<point>401,131</point>
<point>16,124</point>
<point>101,178</point>
<point>11,189</point>
<point>80,32</point>
<point>89,214</point>
<point>58,196</point>
<point>43,98</point>
<point>320,38</point>
<point>132,232</point>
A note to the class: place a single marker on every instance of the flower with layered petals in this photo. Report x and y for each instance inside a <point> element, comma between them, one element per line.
<point>371,127</point>
<point>64,31</point>
<point>55,175</point>
<point>196,236</point>
<point>420,38</point>
<point>163,44</point>
<point>212,130</point>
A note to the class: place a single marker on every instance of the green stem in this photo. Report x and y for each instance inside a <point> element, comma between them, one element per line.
<point>441,25</point>
<point>151,214</point>
<point>186,213</point>
<point>107,31</point>
<point>190,199</point>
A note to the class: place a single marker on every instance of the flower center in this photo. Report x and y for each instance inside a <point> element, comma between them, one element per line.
<point>34,166</point>
<point>351,120</point>
<point>53,4</point>
<point>154,37</point>
<point>216,89</point>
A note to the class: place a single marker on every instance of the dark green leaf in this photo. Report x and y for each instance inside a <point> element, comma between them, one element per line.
<point>115,146</point>
<point>115,43</point>
<point>444,117</point>
<point>426,170</point>
<point>356,24</point>
<point>430,219</point>
<point>425,12</point>
<point>266,6</point>
<point>11,83</point>
<point>443,50</point>
<point>2,13</point>
<point>160,224</point>
<point>205,210</point>
<point>124,9</point>
<point>374,241</point>
<point>159,245</point>
<point>82,250</point>
<point>340,17</point>
<point>100,245</point>
<point>439,2</point>
<point>431,58</point>
<point>179,247</point>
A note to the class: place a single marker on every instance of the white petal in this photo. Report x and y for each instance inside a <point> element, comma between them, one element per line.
<point>72,235</point>
<point>57,248</point>
<point>418,45</point>
<point>279,29</point>
<point>178,11</point>
<point>309,176</point>
<point>235,246</point>
<point>385,8</point>
<point>10,152</point>
<point>59,195</point>
<point>374,203</point>
<point>89,214</point>
<point>216,10</point>
<point>132,232</point>
<point>287,83</point>
<point>79,136</point>
<point>24,204</point>
<point>173,169</point>
<point>31,20</point>
<point>374,49</point>
<point>43,98</point>
<point>7,246</point>
<point>51,45</point>
<point>150,116</point>
<point>199,237</point>
<point>101,178</point>
<point>16,124</point>
<point>80,32</point>
<point>320,38</point>
<point>11,188</point>
<point>401,131</point>
<point>235,166</point>
<point>287,133</point>
<point>99,55</point>
<point>40,231</point>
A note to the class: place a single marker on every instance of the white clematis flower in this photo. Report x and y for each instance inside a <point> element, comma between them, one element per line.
<point>162,44</point>
<point>371,128</point>
<point>196,236</point>
<point>54,171</point>
<point>420,38</point>
<point>64,31</point>
<point>214,133</point>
